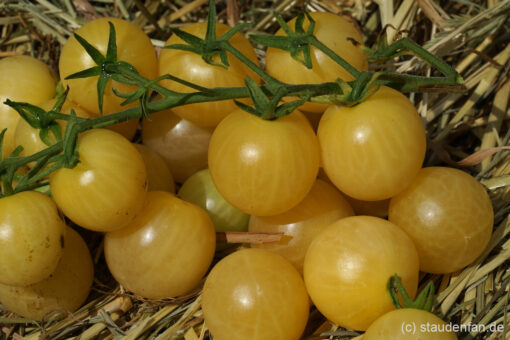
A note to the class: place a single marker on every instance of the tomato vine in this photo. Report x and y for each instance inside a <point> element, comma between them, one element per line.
<point>266,98</point>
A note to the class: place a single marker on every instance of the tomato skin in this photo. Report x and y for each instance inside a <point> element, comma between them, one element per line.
<point>107,188</point>
<point>22,79</point>
<point>348,265</point>
<point>199,189</point>
<point>31,235</point>
<point>408,324</point>
<point>333,31</point>
<point>322,206</point>
<point>133,46</point>
<point>373,150</point>
<point>191,67</point>
<point>158,175</point>
<point>263,167</point>
<point>449,216</point>
<point>65,290</point>
<point>369,208</point>
<point>248,286</point>
<point>182,144</point>
<point>171,242</point>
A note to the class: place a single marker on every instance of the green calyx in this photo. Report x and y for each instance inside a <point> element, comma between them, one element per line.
<point>424,300</point>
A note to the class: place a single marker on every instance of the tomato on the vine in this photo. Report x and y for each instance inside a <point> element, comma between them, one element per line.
<point>348,265</point>
<point>171,242</point>
<point>373,150</point>
<point>337,33</point>
<point>106,189</point>
<point>133,46</point>
<point>29,138</point>
<point>22,79</point>
<point>192,68</point>
<point>264,167</point>
<point>65,289</point>
<point>449,216</point>
<point>182,144</point>
<point>31,238</point>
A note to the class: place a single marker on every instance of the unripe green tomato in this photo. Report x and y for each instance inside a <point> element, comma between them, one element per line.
<point>448,215</point>
<point>199,189</point>
<point>255,294</point>
<point>64,290</point>
<point>348,265</point>
<point>409,324</point>
<point>323,205</point>
<point>31,238</point>
<point>165,251</point>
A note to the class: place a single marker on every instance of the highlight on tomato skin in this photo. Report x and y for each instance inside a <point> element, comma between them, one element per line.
<point>373,150</point>
<point>257,295</point>
<point>264,167</point>
<point>347,267</point>
<point>165,251</point>
<point>106,189</point>
<point>322,206</point>
<point>448,215</point>
<point>65,290</point>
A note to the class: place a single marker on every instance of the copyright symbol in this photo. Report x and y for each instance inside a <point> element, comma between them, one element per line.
<point>408,328</point>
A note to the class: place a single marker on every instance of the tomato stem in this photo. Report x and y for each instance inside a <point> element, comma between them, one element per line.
<point>424,300</point>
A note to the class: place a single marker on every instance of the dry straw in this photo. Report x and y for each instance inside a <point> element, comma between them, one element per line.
<point>473,35</point>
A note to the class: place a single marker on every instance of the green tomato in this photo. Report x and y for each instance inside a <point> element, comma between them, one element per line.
<point>199,189</point>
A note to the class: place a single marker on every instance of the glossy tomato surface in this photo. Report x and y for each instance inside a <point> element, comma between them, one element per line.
<point>199,189</point>
<point>158,175</point>
<point>133,46</point>
<point>322,206</point>
<point>449,216</point>
<point>63,291</point>
<point>191,67</point>
<point>182,144</point>
<point>165,251</point>
<point>255,294</point>
<point>264,167</point>
<point>106,189</point>
<point>409,324</point>
<point>22,79</point>
<point>348,265</point>
<point>373,150</point>
<point>31,238</point>
<point>337,33</point>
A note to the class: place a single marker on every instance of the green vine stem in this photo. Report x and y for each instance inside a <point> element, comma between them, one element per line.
<point>424,300</point>
<point>266,97</point>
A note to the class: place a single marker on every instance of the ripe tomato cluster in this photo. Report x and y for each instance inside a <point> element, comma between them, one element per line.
<point>237,172</point>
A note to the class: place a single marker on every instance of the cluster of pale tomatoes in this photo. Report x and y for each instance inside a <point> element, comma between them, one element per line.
<point>263,176</point>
